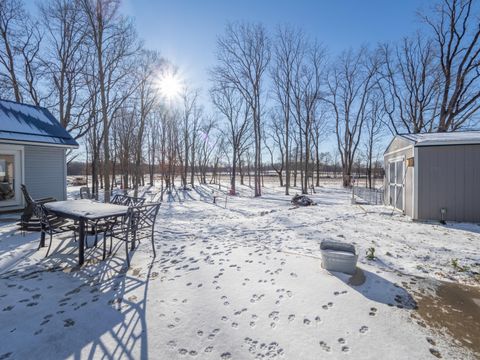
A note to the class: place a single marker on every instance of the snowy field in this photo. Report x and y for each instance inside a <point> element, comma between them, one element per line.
<point>241,279</point>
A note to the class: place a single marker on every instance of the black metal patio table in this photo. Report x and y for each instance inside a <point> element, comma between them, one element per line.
<point>82,211</point>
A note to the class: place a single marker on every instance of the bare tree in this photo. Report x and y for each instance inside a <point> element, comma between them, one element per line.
<point>20,41</point>
<point>243,54</point>
<point>456,33</point>
<point>350,82</point>
<point>231,105</point>
<point>374,127</point>
<point>308,78</point>
<point>288,46</point>
<point>190,118</point>
<point>409,81</point>
<point>113,41</point>
<point>64,61</point>
<point>146,94</point>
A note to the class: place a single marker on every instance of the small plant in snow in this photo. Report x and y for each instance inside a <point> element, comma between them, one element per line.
<point>370,253</point>
<point>459,267</point>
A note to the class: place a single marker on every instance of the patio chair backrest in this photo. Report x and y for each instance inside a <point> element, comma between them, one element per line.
<point>85,193</point>
<point>28,199</point>
<point>119,199</point>
<point>142,219</point>
<point>126,200</point>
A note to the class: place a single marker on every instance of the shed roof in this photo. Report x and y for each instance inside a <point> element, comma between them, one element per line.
<point>449,138</point>
<point>32,124</point>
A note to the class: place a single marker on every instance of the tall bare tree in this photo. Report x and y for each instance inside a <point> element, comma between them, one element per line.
<point>287,48</point>
<point>409,78</point>
<point>231,105</point>
<point>456,32</point>
<point>113,41</point>
<point>64,61</point>
<point>350,83</point>
<point>243,54</point>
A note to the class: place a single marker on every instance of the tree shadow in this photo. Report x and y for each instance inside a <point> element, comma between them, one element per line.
<point>59,310</point>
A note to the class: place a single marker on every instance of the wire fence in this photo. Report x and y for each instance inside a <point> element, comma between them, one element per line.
<point>370,196</point>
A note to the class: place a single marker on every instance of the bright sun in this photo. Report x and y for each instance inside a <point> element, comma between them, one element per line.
<point>170,85</point>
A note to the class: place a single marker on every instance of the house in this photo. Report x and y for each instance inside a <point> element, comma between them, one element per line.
<point>434,176</point>
<point>32,152</point>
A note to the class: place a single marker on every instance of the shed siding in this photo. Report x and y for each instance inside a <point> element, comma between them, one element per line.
<point>408,173</point>
<point>45,171</point>
<point>449,177</point>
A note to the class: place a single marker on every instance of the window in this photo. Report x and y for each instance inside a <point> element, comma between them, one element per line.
<point>10,175</point>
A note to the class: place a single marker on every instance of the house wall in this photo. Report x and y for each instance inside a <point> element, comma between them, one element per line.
<point>45,171</point>
<point>449,177</point>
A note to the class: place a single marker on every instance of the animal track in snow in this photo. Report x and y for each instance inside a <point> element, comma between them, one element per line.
<point>324,346</point>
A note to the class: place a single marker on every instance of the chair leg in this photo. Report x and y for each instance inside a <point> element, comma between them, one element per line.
<point>153,245</point>
<point>96,238</point>
<point>126,252</point>
<point>111,240</point>
<point>39,245</point>
<point>104,245</point>
<point>49,245</point>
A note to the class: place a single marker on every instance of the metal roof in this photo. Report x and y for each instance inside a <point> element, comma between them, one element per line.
<point>32,124</point>
<point>448,138</point>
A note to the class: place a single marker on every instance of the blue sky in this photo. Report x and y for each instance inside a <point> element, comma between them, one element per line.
<point>185,31</point>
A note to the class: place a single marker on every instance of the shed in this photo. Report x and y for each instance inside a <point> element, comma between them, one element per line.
<point>434,176</point>
<point>33,148</point>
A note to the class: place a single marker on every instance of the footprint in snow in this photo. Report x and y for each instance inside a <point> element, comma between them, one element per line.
<point>68,322</point>
<point>363,329</point>
<point>324,346</point>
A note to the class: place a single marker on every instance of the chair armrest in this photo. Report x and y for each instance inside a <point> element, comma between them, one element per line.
<point>45,200</point>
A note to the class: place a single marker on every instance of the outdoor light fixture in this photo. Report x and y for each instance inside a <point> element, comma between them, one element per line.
<point>443,212</point>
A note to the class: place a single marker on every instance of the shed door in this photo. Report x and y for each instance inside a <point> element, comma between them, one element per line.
<point>10,177</point>
<point>396,175</point>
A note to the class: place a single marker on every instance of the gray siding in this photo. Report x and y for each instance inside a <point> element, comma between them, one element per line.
<point>449,177</point>
<point>45,171</point>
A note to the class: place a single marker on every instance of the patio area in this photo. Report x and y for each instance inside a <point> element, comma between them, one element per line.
<point>239,282</point>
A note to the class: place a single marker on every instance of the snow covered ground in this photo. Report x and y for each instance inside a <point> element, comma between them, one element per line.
<point>238,279</point>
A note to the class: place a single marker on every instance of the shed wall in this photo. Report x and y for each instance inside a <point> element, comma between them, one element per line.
<point>449,177</point>
<point>45,171</point>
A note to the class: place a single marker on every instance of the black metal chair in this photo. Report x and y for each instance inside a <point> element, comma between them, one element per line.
<point>139,224</point>
<point>52,224</point>
<point>126,200</point>
<point>28,220</point>
<point>85,193</point>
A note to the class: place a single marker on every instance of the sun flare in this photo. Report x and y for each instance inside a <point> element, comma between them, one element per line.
<point>170,85</point>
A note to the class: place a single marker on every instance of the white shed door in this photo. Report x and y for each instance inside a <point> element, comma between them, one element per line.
<point>396,178</point>
<point>10,177</point>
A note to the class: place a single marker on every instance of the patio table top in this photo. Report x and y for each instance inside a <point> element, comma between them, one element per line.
<point>87,209</point>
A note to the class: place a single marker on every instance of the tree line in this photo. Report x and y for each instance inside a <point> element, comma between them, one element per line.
<point>275,95</point>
